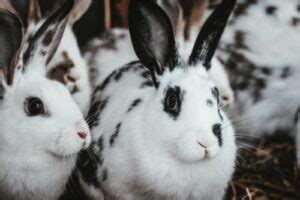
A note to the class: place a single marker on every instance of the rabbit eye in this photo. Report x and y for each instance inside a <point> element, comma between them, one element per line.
<point>34,106</point>
<point>172,102</point>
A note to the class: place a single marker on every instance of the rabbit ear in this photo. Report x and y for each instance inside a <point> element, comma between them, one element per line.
<point>152,36</point>
<point>210,34</point>
<point>45,41</point>
<point>80,8</point>
<point>11,36</point>
<point>173,10</point>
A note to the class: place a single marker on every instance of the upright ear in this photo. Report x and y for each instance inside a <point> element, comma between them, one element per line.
<point>11,35</point>
<point>210,34</point>
<point>152,36</point>
<point>173,10</point>
<point>45,41</point>
<point>80,8</point>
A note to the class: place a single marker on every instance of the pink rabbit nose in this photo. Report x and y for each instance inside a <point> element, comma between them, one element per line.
<point>205,148</point>
<point>82,135</point>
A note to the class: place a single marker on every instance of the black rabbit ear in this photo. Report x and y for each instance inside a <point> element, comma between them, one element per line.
<point>11,36</point>
<point>45,41</point>
<point>210,34</point>
<point>152,36</point>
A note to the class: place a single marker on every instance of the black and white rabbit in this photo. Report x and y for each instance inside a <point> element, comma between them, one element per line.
<point>158,130</point>
<point>114,49</point>
<point>67,65</point>
<point>41,127</point>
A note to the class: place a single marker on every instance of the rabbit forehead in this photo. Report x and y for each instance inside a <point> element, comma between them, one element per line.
<point>54,95</point>
<point>188,79</point>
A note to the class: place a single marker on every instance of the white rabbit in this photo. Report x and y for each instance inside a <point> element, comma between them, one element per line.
<point>41,127</point>
<point>157,127</point>
<point>114,49</point>
<point>67,65</point>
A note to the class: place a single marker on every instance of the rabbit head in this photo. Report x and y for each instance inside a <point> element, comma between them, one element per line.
<point>192,122</point>
<point>38,116</point>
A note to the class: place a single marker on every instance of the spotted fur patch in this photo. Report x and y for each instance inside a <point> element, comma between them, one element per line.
<point>48,38</point>
<point>87,164</point>
<point>134,104</point>
<point>115,134</point>
<point>93,117</point>
<point>270,10</point>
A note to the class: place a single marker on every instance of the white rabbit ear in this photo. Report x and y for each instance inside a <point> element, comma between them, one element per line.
<point>152,36</point>
<point>11,36</point>
<point>46,40</point>
<point>210,34</point>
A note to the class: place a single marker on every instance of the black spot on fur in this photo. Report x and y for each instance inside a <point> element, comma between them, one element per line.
<point>93,116</point>
<point>87,164</point>
<point>219,111</point>
<point>241,7</point>
<point>104,175</point>
<point>115,134</point>
<point>134,104</point>
<point>295,21</point>
<point>240,40</point>
<point>146,75</point>
<point>146,84</point>
<point>43,53</point>
<point>48,38</point>
<point>216,129</point>
<point>270,10</point>
<point>209,102</point>
<point>103,85</point>
<point>266,70</point>
<point>100,144</point>
<point>172,101</point>
<point>74,190</point>
<point>286,72</point>
<point>215,93</point>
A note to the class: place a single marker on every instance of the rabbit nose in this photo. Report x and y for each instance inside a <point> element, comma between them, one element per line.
<point>82,135</point>
<point>203,146</point>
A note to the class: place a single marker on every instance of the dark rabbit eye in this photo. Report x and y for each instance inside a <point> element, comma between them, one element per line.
<point>172,102</point>
<point>34,106</point>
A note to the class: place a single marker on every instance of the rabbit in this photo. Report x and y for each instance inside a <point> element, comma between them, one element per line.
<point>158,129</point>
<point>114,49</point>
<point>41,127</point>
<point>259,49</point>
<point>67,65</point>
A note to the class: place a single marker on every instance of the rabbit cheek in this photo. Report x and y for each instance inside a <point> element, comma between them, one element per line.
<point>188,150</point>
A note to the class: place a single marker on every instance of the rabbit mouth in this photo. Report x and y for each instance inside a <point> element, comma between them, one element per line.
<point>61,156</point>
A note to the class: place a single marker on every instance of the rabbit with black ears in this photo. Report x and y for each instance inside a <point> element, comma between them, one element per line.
<point>158,130</point>
<point>101,53</point>
<point>41,127</point>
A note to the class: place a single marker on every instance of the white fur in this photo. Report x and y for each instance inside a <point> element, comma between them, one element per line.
<point>104,60</point>
<point>158,157</point>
